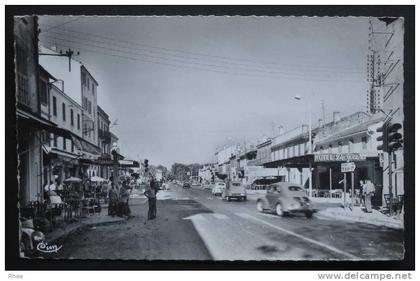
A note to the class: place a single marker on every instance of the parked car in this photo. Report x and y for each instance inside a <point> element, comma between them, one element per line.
<point>30,238</point>
<point>234,190</point>
<point>285,198</point>
<point>186,185</point>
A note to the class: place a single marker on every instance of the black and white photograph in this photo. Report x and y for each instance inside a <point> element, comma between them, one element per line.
<point>210,138</point>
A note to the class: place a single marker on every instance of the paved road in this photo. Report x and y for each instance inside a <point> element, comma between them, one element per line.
<point>248,234</point>
<point>194,225</point>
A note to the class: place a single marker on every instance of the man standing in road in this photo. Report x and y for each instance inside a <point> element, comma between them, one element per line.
<point>368,191</point>
<point>151,196</point>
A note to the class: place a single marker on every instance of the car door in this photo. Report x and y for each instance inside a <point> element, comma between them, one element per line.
<point>272,196</point>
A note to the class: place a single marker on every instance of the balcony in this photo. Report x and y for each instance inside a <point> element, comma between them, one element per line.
<point>105,136</point>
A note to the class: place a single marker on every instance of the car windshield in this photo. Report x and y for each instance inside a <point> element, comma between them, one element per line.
<point>236,184</point>
<point>295,188</point>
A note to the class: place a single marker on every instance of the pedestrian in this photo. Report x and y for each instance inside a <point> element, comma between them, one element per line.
<point>113,201</point>
<point>361,193</point>
<point>369,191</point>
<point>124,198</point>
<point>150,193</point>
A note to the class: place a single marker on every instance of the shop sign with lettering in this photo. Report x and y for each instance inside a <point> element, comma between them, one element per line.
<point>339,157</point>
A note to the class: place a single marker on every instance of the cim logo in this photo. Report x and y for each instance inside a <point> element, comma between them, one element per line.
<point>45,248</point>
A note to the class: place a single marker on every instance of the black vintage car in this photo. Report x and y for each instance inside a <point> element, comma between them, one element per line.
<point>186,185</point>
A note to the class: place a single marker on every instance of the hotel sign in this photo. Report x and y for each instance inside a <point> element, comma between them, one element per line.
<point>339,157</point>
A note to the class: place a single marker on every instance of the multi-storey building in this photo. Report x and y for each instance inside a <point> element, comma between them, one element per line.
<point>104,141</point>
<point>28,110</point>
<point>79,85</point>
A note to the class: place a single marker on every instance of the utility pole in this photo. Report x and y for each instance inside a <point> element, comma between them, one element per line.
<point>69,53</point>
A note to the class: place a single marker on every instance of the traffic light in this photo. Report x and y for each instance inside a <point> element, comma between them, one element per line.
<point>394,138</point>
<point>383,138</point>
<point>146,165</point>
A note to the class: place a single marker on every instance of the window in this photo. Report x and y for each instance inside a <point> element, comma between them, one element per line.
<point>71,117</point>
<point>88,83</point>
<point>43,92</point>
<point>90,107</point>
<point>54,106</point>
<point>84,103</point>
<point>340,147</point>
<point>364,142</point>
<point>83,78</point>
<point>93,89</point>
<point>55,140</point>
<point>22,73</point>
<point>64,111</point>
<point>72,146</point>
<point>330,148</point>
<point>78,121</point>
<point>350,145</point>
<point>64,144</point>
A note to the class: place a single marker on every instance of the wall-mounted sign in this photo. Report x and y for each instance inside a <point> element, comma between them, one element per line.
<point>339,157</point>
<point>348,167</point>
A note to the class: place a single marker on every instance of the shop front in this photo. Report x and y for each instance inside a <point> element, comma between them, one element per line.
<point>328,175</point>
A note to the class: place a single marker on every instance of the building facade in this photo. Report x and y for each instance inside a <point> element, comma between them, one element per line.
<point>104,141</point>
<point>29,136</point>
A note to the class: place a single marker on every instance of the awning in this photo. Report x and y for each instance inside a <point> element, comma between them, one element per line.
<point>85,146</point>
<point>101,162</point>
<point>293,162</point>
<point>31,121</point>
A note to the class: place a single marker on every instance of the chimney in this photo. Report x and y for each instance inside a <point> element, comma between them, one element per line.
<point>320,122</point>
<point>336,116</point>
<point>281,130</point>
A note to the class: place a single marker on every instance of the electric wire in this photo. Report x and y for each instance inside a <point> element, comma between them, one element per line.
<point>207,55</point>
<point>193,63</point>
<point>192,67</point>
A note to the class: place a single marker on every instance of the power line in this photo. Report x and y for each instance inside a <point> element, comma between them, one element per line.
<point>249,66</point>
<point>197,68</point>
<point>208,55</point>
<point>180,61</point>
<point>59,25</point>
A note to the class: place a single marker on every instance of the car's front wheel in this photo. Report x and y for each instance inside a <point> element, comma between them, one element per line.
<point>279,210</point>
<point>260,206</point>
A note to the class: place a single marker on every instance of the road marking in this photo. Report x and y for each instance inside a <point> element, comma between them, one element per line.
<point>331,248</point>
<point>194,217</point>
<point>221,216</point>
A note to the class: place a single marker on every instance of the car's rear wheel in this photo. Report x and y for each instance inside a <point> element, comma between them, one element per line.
<point>260,207</point>
<point>279,210</point>
<point>309,214</point>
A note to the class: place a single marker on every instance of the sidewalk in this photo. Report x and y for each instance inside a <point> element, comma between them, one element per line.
<point>61,233</point>
<point>358,215</point>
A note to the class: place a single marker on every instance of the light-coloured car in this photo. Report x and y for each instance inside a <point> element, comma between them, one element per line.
<point>217,190</point>
<point>285,198</point>
<point>234,190</point>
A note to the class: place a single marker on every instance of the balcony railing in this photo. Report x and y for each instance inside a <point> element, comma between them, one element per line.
<point>104,135</point>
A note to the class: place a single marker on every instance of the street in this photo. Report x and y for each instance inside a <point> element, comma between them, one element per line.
<point>192,224</point>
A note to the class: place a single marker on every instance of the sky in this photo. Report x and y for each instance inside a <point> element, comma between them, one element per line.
<point>181,86</point>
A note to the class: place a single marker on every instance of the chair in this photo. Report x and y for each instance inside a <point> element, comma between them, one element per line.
<point>387,198</point>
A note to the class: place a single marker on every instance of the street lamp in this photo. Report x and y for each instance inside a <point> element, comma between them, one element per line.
<point>310,143</point>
